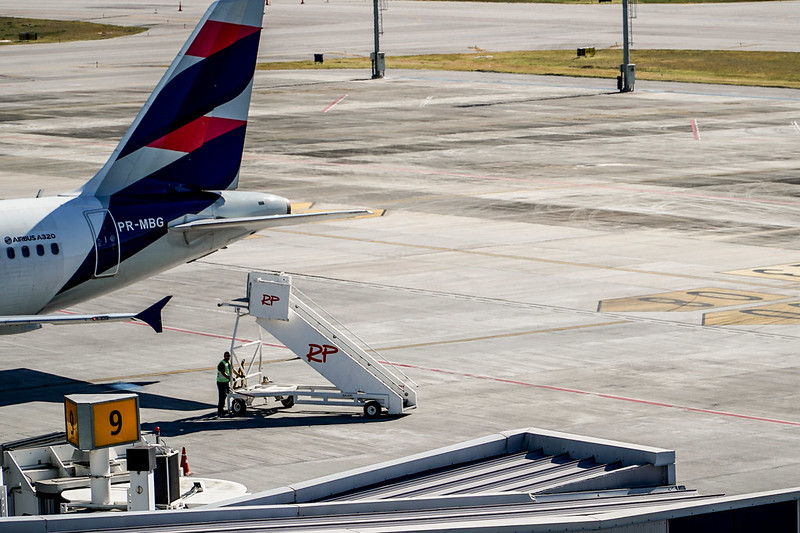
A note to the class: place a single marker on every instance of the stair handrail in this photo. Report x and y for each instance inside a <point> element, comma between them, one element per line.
<point>365,346</point>
<point>382,373</point>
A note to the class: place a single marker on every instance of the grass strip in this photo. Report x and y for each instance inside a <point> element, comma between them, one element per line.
<point>765,69</point>
<point>54,31</point>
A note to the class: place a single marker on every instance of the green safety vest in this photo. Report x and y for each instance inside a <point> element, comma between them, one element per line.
<point>220,377</point>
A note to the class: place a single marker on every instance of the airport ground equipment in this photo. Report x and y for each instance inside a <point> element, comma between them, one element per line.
<point>358,378</point>
<point>47,475</point>
<point>57,477</point>
<point>142,492</point>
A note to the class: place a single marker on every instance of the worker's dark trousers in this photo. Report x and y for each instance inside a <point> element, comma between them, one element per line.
<point>222,389</point>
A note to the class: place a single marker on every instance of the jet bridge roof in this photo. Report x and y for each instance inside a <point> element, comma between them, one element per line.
<point>523,461</point>
<point>531,472</point>
<point>524,480</point>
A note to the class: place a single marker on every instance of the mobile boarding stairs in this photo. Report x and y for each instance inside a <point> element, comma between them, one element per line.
<point>357,377</point>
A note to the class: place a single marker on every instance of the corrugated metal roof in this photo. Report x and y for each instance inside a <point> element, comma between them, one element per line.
<point>518,480</point>
<point>533,472</point>
<point>522,472</point>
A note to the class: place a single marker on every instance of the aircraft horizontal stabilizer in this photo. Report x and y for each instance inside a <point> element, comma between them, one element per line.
<point>152,315</point>
<point>267,221</point>
<point>17,323</point>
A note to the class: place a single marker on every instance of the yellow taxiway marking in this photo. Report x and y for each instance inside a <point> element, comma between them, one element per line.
<point>481,194</point>
<point>375,213</point>
<point>508,256</point>
<point>500,336</point>
<point>173,372</point>
<point>775,314</point>
<point>386,348</point>
<point>788,272</point>
<point>301,207</point>
<point>688,300</point>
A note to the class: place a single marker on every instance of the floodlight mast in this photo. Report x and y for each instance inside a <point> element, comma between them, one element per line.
<point>626,69</point>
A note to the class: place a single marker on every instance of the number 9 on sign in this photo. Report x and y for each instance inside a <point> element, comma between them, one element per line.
<point>115,419</point>
<point>116,422</point>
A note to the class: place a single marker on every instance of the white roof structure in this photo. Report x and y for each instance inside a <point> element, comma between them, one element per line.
<point>523,480</point>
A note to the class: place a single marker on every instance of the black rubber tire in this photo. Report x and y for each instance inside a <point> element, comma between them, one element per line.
<point>238,407</point>
<point>372,409</point>
<point>288,402</point>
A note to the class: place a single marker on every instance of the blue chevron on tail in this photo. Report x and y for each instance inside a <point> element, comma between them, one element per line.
<point>189,135</point>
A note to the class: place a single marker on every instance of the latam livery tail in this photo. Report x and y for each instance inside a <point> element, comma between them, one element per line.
<point>165,196</point>
<point>190,133</point>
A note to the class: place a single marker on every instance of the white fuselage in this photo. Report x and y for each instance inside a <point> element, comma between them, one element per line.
<point>41,247</point>
<point>167,193</point>
<point>57,251</point>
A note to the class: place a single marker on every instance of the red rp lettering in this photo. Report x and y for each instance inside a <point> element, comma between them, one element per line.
<point>268,299</point>
<point>325,350</point>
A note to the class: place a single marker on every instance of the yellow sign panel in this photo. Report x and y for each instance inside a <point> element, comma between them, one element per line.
<point>775,314</point>
<point>71,421</point>
<point>115,422</point>
<point>788,272</point>
<point>688,300</point>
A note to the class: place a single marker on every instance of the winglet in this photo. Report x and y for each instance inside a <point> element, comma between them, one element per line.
<point>152,315</point>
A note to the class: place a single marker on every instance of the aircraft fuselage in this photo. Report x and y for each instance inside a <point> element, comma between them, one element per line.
<point>56,251</point>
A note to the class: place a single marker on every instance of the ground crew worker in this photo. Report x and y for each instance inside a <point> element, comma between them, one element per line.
<point>223,382</point>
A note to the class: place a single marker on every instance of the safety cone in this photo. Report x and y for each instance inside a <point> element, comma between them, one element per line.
<point>180,7</point>
<point>185,463</point>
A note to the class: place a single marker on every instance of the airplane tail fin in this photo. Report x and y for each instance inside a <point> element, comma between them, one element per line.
<point>190,133</point>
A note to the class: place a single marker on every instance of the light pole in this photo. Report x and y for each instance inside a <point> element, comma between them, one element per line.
<point>378,61</point>
<point>627,71</point>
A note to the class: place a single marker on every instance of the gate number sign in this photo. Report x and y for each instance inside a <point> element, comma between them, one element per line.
<point>101,420</point>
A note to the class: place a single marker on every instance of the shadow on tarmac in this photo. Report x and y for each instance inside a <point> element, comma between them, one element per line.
<point>22,385</point>
<point>260,419</point>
